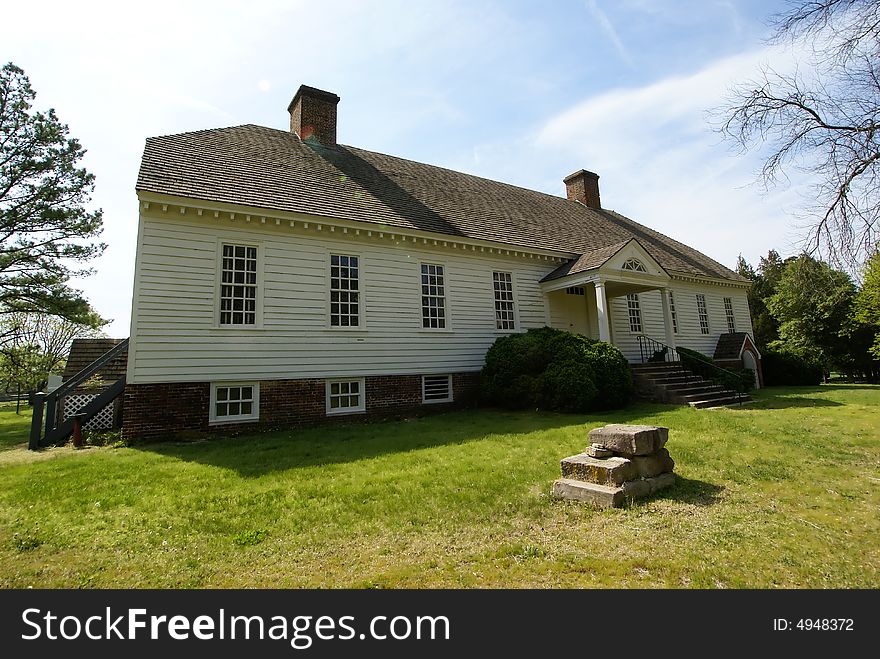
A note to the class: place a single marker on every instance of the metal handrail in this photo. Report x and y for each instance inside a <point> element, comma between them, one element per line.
<point>652,350</point>
<point>647,345</point>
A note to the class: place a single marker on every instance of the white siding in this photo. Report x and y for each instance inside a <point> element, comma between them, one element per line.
<point>689,335</point>
<point>176,337</point>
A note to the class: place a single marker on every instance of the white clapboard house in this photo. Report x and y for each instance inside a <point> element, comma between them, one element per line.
<point>283,278</point>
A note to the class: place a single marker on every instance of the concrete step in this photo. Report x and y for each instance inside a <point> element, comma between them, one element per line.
<point>728,399</point>
<point>707,394</point>
<point>657,375</point>
<point>647,366</point>
<point>677,379</point>
<point>695,388</point>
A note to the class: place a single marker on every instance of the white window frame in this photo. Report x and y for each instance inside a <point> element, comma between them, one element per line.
<point>576,290</point>
<point>445,297</point>
<point>729,315</point>
<point>218,289</point>
<point>425,400</point>
<point>214,419</point>
<point>362,394</point>
<point>672,313</point>
<point>637,316</point>
<point>512,317</point>
<point>360,291</point>
<point>703,314</point>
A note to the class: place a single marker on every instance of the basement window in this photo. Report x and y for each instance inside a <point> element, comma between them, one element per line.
<point>345,396</point>
<point>238,401</point>
<point>635,313</point>
<point>702,313</point>
<point>436,388</point>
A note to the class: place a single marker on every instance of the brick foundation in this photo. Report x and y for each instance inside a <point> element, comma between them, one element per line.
<point>168,410</point>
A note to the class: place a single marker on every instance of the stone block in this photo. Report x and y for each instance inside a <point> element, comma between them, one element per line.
<point>610,471</point>
<point>629,440</point>
<point>598,451</point>
<point>610,496</point>
<point>603,496</point>
<point>654,464</point>
<point>644,487</point>
<point>661,438</point>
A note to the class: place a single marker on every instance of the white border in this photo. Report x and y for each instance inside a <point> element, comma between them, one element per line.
<point>345,410</point>
<point>437,400</point>
<point>212,416</point>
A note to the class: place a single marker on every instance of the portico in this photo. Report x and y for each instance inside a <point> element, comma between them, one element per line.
<point>579,295</point>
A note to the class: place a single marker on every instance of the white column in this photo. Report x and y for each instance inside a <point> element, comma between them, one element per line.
<point>667,317</point>
<point>602,311</point>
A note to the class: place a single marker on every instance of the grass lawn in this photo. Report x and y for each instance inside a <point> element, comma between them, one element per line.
<point>784,493</point>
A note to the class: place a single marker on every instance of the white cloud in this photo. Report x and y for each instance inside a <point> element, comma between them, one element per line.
<point>608,29</point>
<point>660,162</point>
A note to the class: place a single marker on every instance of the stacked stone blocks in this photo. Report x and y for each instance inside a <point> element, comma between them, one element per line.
<point>622,462</point>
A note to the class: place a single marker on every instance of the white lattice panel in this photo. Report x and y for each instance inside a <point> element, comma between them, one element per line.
<point>103,420</point>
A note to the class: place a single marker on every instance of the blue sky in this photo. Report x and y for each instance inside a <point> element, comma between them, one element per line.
<point>522,92</point>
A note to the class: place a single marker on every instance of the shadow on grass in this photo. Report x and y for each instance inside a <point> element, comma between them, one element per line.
<point>786,402</point>
<point>262,452</point>
<point>694,492</point>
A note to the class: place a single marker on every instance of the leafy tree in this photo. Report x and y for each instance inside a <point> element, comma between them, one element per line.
<point>867,308</point>
<point>826,121</point>
<point>36,345</point>
<point>813,304</point>
<point>764,281</point>
<point>45,227</point>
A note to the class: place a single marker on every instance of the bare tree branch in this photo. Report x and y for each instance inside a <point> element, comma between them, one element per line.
<point>826,124</point>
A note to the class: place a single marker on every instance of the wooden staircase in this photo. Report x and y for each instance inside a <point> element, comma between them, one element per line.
<point>671,382</point>
<point>56,431</point>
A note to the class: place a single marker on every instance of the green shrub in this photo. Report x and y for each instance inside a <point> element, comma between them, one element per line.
<point>736,379</point>
<point>786,368</point>
<point>555,370</point>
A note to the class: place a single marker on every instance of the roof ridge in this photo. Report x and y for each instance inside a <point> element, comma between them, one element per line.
<point>269,167</point>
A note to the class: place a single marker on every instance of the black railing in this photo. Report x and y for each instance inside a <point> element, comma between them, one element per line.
<point>652,350</point>
<point>46,405</point>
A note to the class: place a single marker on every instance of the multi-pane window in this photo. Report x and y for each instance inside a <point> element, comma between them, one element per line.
<point>345,396</point>
<point>238,288</point>
<point>234,402</point>
<point>436,388</point>
<point>503,285</point>
<point>433,296</point>
<point>728,312</point>
<point>635,312</point>
<point>575,290</point>
<point>344,291</point>
<point>672,313</point>
<point>702,313</point>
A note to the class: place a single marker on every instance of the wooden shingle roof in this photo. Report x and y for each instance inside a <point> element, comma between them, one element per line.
<point>84,351</point>
<point>273,169</point>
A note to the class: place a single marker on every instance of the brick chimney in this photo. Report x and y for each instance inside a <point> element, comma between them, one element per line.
<point>583,186</point>
<point>313,115</point>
